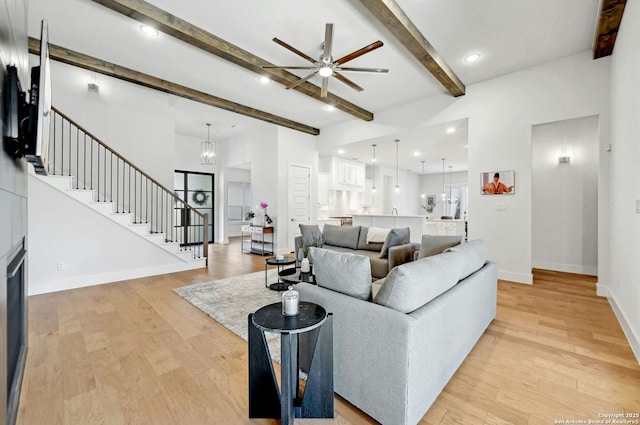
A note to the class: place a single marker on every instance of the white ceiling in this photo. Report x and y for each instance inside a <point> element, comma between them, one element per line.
<point>510,35</point>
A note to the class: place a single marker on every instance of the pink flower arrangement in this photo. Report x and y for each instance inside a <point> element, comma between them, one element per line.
<point>264,205</point>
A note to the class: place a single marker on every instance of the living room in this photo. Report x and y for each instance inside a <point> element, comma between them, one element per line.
<point>501,113</point>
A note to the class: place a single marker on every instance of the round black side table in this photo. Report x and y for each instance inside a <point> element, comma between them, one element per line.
<point>279,285</point>
<point>305,337</point>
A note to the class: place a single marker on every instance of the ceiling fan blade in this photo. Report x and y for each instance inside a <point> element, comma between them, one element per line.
<point>294,50</point>
<point>301,80</point>
<point>359,52</point>
<point>347,81</point>
<point>328,43</point>
<point>287,67</point>
<point>379,70</point>
<point>325,87</point>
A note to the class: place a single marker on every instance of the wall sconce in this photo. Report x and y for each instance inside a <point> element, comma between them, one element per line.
<point>564,159</point>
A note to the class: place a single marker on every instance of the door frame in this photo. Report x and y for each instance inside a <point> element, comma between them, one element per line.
<point>213,197</point>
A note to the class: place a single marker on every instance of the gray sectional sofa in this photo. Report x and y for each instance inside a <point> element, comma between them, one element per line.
<point>353,239</point>
<point>395,352</point>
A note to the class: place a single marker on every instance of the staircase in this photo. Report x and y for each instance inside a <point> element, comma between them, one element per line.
<point>89,171</point>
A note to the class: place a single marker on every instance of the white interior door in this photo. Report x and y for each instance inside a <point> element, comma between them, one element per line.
<point>299,200</point>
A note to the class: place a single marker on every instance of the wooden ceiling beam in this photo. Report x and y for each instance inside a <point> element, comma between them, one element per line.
<point>80,60</point>
<point>172,25</point>
<point>389,13</point>
<point>608,25</point>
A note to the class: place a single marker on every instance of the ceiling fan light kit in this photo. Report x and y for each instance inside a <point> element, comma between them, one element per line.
<point>325,66</point>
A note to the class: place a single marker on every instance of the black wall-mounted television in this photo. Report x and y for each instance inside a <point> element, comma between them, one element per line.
<point>38,123</point>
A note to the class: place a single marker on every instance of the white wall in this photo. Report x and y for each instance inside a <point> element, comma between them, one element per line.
<point>501,113</point>
<point>134,121</point>
<point>93,248</point>
<point>624,245</point>
<point>565,196</point>
<point>407,200</point>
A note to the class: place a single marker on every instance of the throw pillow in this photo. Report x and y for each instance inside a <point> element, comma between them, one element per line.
<point>432,244</point>
<point>311,235</point>
<point>377,235</point>
<point>362,241</point>
<point>342,272</point>
<point>395,237</point>
<point>343,236</point>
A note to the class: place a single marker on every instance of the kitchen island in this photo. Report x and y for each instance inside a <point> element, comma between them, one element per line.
<point>418,224</point>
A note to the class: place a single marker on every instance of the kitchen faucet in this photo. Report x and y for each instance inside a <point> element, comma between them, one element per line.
<point>394,211</point>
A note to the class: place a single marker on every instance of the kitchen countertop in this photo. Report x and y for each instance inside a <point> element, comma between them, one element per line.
<point>404,215</point>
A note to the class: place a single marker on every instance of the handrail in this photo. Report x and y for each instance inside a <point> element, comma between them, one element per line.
<point>150,200</point>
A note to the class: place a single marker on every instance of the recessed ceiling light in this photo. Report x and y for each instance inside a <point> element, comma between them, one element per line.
<point>150,31</point>
<point>451,130</point>
<point>329,108</point>
<point>340,151</point>
<point>416,153</point>
<point>264,80</point>
<point>473,57</point>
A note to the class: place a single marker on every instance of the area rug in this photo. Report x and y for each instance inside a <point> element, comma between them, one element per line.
<point>229,301</point>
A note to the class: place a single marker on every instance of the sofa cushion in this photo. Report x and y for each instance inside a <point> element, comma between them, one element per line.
<point>364,245</point>
<point>344,236</point>
<point>379,266</point>
<point>432,244</point>
<point>342,272</point>
<point>395,237</point>
<point>474,255</point>
<point>409,286</point>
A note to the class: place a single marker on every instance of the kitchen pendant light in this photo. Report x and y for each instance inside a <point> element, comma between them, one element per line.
<point>373,188</point>
<point>450,199</point>
<point>423,196</point>
<point>443,195</point>
<point>208,151</point>
<point>397,184</point>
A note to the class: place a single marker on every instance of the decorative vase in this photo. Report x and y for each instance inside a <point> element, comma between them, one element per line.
<point>305,267</point>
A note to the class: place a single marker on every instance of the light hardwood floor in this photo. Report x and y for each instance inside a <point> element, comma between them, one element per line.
<point>133,352</point>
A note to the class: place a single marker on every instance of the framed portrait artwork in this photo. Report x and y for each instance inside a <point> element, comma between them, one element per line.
<point>431,200</point>
<point>498,183</point>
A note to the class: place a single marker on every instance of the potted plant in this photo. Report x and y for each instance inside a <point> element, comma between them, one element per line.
<point>249,215</point>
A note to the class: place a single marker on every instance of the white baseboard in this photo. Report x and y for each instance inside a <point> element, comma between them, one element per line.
<point>602,290</point>
<point>516,277</point>
<point>632,337</point>
<point>36,288</point>
<point>567,268</point>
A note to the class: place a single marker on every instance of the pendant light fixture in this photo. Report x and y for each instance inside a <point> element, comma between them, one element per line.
<point>450,199</point>
<point>443,195</point>
<point>373,188</point>
<point>208,151</point>
<point>397,184</point>
<point>423,196</point>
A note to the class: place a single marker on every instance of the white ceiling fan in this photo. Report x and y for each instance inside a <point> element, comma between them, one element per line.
<point>325,66</point>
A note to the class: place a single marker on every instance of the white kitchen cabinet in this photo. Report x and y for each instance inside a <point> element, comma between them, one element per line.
<point>323,189</point>
<point>344,174</point>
